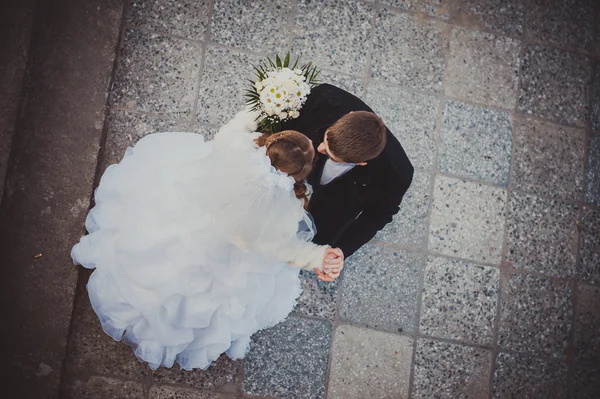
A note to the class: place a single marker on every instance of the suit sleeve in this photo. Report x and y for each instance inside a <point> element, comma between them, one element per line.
<point>378,212</point>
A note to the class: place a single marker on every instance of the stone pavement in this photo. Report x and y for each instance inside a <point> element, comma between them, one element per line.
<point>487,283</point>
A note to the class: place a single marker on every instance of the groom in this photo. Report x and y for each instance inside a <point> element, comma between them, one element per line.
<point>360,175</point>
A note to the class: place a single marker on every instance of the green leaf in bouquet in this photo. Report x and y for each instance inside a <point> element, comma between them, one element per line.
<point>278,61</point>
<point>296,63</point>
<point>271,63</point>
<point>286,61</point>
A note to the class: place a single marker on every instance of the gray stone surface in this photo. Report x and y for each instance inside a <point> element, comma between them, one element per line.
<point>318,298</point>
<point>168,392</point>
<point>409,227</point>
<point>351,84</point>
<point>586,382</point>
<point>535,316</point>
<point>16,20</point>
<point>526,377</point>
<point>548,160</point>
<point>589,247</point>
<point>467,220</point>
<point>444,370</point>
<point>367,363</point>
<point>542,235</point>
<point>380,288</point>
<point>125,128</point>
<point>224,78</point>
<point>157,74</point>
<point>483,68</point>
<point>258,25</point>
<point>92,351</point>
<point>567,23</point>
<point>555,85</point>
<point>411,117</point>
<point>103,388</point>
<point>48,187</point>
<point>183,18</point>
<point>334,34</point>
<point>595,95</point>
<point>475,143</point>
<point>435,8</point>
<point>408,51</point>
<point>459,300</point>
<point>289,360</point>
<point>592,192</point>
<point>223,375</point>
<point>587,324</point>
<point>502,16</point>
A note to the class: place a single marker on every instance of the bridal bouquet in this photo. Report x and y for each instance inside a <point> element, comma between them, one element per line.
<point>280,91</point>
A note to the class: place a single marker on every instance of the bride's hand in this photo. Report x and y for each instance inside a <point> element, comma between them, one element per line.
<point>328,278</point>
<point>334,261</point>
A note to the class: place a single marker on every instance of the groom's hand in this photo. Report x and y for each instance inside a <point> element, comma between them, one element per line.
<point>334,261</point>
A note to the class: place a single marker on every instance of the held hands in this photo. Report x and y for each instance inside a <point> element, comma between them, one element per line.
<point>332,265</point>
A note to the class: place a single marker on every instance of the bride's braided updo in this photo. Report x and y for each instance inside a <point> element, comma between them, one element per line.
<point>290,152</point>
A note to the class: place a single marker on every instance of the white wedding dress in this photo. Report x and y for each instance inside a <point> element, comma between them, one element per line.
<point>196,246</point>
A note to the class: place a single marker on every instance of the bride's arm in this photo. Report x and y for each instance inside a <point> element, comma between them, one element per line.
<point>302,254</point>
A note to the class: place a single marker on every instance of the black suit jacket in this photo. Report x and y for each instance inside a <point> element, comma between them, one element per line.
<point>351,209</point>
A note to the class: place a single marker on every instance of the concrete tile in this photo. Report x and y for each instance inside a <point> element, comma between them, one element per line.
<point>555,85</point>
<point>351,84</point>
<point>459,300</point>
<point>548,160</point>
<point>409,226</point>
<point>589,248</point>
<point>587,324</point>
<point>586,382</point>
<point>224,79</point>
<point>475,143</point>
<point>289,360</point>
<point>125,128</point>
<point>380,288</point>
<point>435,8</point>
<point>157,74</point>
<point>92,351</point>
<point>258,25</point>
<point>368,363</point>
<point>542,235</point>
<point>318,298</point>
<point>450,371</point>
<point>525,377</point>
<point>567,23</point>
<point>483,68</point>
<point>103,387</point>
<point>411,117</point>
<point>535,315</point>
<point>334,34</point>
<point>592,193</point>
<point>168,392</point>
<point>467,220</point>
<point>595,95</point>
<point>185,18</point>
<point>223,376</point>
<point>408,50</point>
<point>502,16</point>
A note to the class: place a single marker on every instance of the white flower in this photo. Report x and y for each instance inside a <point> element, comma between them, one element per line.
<point>282,115</point>
<point>298,71</point>
<point>294,114</point>
<point>258,86</point>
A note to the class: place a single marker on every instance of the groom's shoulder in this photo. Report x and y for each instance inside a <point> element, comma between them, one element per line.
<point>394,160</point>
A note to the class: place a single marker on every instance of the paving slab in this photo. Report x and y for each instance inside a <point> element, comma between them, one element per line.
<point>368,363</point>
<point>459,300</point>
<point>380,288</point>
<point>97,387</point>
<point>526,377</point>
<point>434,8</point>
<point>549,160</point>
<point>592,193</point>
<point>542,235</point>
<point>587,324</point>
<point>595,95</point>
<point>169,392</point>
<point>483,68</point>
<point>48,186</point>
<point>444,370</point>
<point>586,382</point>
<point>467,220</point>
<point>408,51</point>
<point>504,16</point>
<point>334,34</point>
<point>318,298</point>
<point>536,316</point>
<point>589,247</point>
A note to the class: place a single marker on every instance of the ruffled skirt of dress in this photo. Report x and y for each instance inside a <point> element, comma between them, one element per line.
<point>164,283</point>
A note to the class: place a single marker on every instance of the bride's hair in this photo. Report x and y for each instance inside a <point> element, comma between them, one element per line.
<point>290,152</point>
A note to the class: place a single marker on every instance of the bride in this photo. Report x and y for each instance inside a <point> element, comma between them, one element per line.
<point>197,245</point>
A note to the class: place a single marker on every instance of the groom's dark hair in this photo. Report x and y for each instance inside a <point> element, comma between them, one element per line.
<point>357,137</point>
